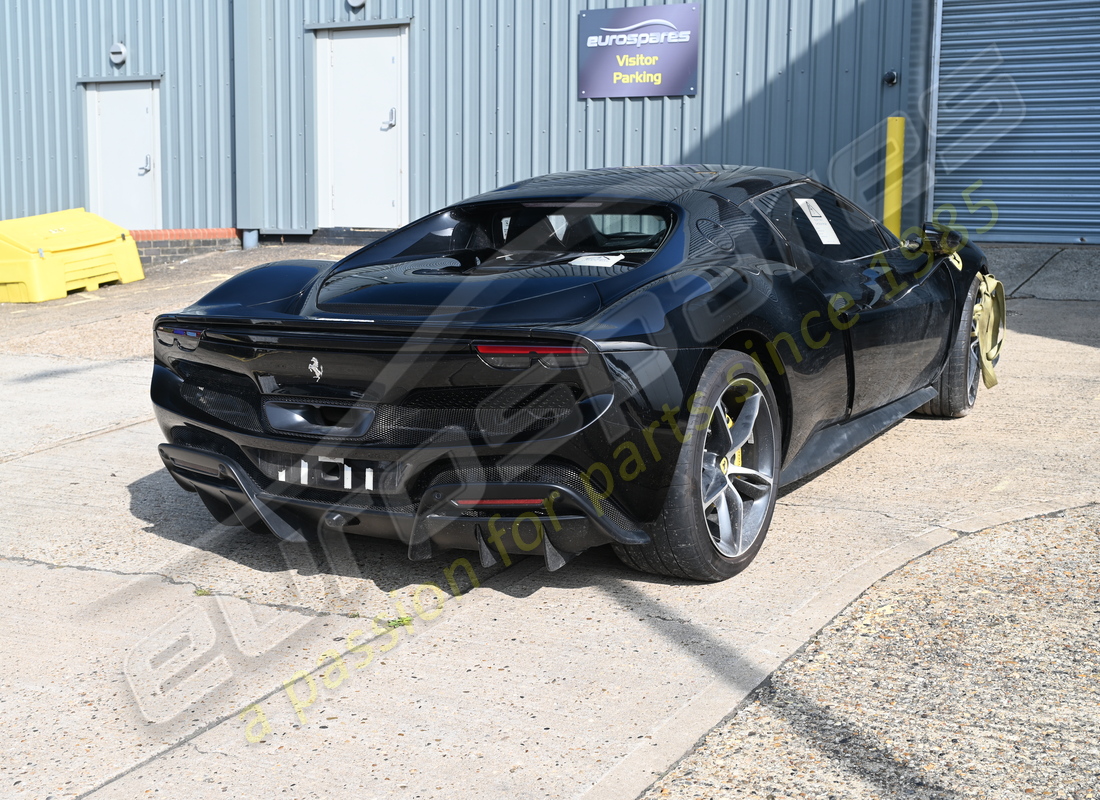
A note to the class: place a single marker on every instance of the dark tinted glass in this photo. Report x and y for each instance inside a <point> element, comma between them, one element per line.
<point>529,233</point>
<point>822,224</point>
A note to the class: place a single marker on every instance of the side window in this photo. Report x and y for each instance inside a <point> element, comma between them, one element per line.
<point>820,223</point>
<point>862,234</point>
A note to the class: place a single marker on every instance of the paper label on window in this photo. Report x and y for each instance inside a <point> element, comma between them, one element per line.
<point>598,261</point>
<point>820,222</point>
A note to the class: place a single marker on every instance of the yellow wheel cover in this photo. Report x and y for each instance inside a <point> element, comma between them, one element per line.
<point>990,316</point>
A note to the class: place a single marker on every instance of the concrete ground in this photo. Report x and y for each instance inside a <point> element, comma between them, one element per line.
<point>970,672</point>
<point>148,650</point>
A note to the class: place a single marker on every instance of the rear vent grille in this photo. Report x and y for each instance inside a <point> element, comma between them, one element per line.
<point>476,414</point>
<point>453,416</point>
<point>226,396</point>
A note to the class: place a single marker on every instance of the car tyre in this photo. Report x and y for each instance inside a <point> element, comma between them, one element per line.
<point>957,384</point>
<point>722,496</point>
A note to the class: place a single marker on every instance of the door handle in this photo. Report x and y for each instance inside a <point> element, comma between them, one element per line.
<point>392,121</point>
<point>148,165</point>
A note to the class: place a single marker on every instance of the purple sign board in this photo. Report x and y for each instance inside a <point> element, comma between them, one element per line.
<point>649,51</point>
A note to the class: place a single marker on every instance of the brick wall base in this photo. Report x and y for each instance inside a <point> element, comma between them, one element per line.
<point>171,246</point>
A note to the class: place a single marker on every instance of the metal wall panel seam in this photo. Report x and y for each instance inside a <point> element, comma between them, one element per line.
<point>933,108</point>
<point>203,127</point>
<point>281,116</point>
<point>71,96</point>
<point>821,71</point>
<point>267,181</point>
<point>800,44</point>
<point>690,112</point>
<point>471,96</point>
<point>34,77</point>
<point>776,64</point>
<point>729,123</point>
<point>296,213</point>
<point>505,68</point>
<point>419,163</point>
<point>860,117</point>
<point>295,58</point>
<point>7,94</point>
<point>452,42</point>
<point>574,109</point>
<point>27,181</point>
<point>270,179</point>
<point>41,120</point>
<point>485,111</point>
<point>559,102</point>
<point>522,106</point>
<point>188,66</point>
<point>185,96</point>
<point>42,128</point>
<point>307,134</point>
<point>539,88</point>
<point>714,62</point>
<point>17,119</point>
<point>426,144</point>
<point>67,94</point>
<point>437,124</point>
<point>176,94</point>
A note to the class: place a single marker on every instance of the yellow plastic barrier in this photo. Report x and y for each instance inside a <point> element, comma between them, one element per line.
<point>47,256</point>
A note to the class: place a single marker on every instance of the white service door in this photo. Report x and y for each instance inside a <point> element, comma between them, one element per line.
<point>361,128</point>
<point>124,154</point>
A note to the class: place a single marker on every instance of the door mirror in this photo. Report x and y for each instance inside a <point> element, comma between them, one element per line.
<point>937,239</point>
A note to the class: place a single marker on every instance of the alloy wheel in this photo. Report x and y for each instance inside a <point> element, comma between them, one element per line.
<point>738,471</point>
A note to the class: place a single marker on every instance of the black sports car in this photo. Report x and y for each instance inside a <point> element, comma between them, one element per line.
<point>635,357</point>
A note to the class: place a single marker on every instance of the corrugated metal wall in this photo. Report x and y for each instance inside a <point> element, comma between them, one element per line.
<point>273,78</point>
<point>49,49</point>
<point>1019,111</point>
<point>40,131</point>
<point>785,83</point>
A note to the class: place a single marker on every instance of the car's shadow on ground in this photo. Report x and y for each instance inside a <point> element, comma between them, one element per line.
<point>179,516</point>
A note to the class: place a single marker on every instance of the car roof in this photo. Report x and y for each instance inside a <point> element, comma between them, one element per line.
<point>657,183</point>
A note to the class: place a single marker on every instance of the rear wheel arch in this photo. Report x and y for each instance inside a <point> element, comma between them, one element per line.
<point>750,341</point>
<point>722,496</point>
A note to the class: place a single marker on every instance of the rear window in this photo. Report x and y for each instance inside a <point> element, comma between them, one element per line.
<point>486,237</point>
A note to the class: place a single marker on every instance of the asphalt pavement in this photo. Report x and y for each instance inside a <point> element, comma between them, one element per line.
<point>148,650</point>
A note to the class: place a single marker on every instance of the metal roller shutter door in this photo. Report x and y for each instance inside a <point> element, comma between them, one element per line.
<point>1019,110</point>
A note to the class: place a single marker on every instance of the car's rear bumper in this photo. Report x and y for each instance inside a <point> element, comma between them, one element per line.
<point>550,519</point>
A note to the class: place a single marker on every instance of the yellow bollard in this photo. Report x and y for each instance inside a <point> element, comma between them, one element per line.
<point>895,168</point>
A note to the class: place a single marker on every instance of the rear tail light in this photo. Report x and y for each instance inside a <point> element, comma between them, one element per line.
<point>521,356</point>
<point>185,338</point>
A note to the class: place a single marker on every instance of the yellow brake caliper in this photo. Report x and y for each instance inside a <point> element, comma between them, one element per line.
<point>737,455</point>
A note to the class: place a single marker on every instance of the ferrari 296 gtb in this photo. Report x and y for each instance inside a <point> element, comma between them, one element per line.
<point>635,357</point>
